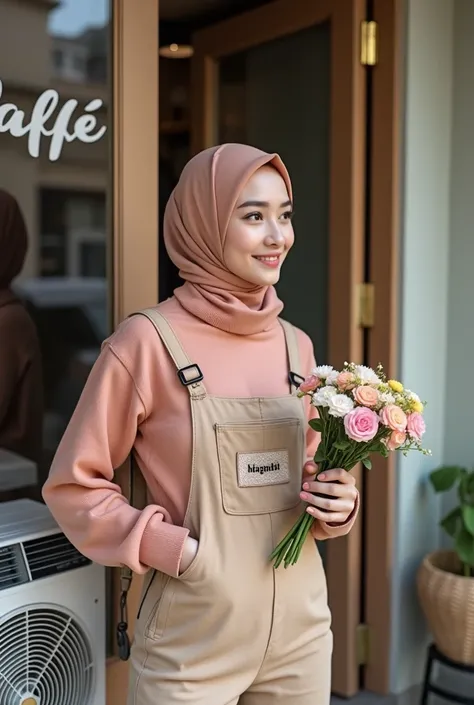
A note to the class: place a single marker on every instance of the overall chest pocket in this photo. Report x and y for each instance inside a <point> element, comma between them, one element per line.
<point>260,465</point>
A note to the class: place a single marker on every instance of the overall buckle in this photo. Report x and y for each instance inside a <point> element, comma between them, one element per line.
<point>186,380</point>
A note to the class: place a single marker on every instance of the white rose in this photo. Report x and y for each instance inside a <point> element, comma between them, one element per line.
<point>366,375</point>
<point>340,405</point>
<point>323,396</point>
<point>322,371</point>
<point>332,377</point>
<point>411,395</point>
<point>386,398</point>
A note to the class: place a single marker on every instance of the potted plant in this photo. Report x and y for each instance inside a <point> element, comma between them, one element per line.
<point>445,579</point>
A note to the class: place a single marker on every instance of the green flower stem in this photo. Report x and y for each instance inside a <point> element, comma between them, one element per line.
<point>308,522</point>
<point>285,544</point>
<point>285,541</point>
<point>278,556</point>
<point>279,560</point>
<point>290,547</point>
<point>286,551</point>
<point>297,540</point>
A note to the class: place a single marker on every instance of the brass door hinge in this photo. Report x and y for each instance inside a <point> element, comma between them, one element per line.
<point>369,43</point>
<point>366,296</point>
<point>363,644</point>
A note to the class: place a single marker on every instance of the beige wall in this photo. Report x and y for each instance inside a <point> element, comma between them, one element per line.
<point>423,297</point>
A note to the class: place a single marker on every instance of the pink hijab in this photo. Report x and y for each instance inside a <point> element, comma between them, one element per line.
<point>195,226</point>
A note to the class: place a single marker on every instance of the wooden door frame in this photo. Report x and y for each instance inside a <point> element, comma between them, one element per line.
<point>384,212</point>
<point>135,256</point>
<point>347,171</point>
<point>134,216</point>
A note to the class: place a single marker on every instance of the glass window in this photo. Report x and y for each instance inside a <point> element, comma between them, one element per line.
<point>58,190</point>
<point>58,58</point>
<point>55,124</point>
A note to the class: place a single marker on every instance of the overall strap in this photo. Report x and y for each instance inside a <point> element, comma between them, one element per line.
<point>189,374</point>
<point>293,352</point>
<point>191,377</point>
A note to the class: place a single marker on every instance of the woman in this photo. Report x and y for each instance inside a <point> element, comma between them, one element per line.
<point>21,397</point>
<point>222,456</point>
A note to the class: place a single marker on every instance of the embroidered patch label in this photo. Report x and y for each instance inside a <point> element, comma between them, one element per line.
<point>259,469</point>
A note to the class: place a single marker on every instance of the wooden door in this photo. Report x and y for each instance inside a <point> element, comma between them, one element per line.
<point>134,230</point>
<point>287,77</point>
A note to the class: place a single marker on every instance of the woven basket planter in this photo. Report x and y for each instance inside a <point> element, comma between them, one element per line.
<point>447,600</point>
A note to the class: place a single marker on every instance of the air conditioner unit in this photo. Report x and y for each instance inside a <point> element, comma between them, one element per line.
<point>52,613</point>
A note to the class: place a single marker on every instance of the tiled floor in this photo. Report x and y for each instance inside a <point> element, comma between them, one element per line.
<point>412,698</point>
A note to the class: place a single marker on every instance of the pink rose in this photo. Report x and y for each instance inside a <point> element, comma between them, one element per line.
<point>361,424</point>
<point>367,396</point>
<point>310,384</point>
<point>394,417</point>
<point>345,381</point>
<point>416,425</point>
<point>395,440</point>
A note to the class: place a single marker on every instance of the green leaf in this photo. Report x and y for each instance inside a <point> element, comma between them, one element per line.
<point>463,487</point>
<point>384,451</point>
<point>320,455</point>
<point>451,522</point>
<point>367,463</point>
<point>341,445</point>
<point>444,478</point>
<point>468,517</point>
<point>470,484</point>
<point>316,425</point>
<point>465,546</point>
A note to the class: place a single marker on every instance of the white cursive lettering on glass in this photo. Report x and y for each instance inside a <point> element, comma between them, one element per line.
<point>12,120</point>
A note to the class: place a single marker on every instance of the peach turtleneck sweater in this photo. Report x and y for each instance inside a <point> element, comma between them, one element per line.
<point>133,397</point>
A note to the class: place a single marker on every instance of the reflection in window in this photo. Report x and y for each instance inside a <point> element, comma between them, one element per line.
<point>58,59</point>
<point>53,234</point>
<point>92,262</point>
<point>63,203</point>
<point>73,233</point>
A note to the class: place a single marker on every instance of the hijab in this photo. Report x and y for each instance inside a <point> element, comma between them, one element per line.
<point>13,239</point>
<point>195,225</point>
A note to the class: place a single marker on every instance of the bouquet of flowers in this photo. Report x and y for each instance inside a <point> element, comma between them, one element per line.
<point>360,413</point>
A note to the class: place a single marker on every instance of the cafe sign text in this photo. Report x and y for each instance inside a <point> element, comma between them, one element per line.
<point>64,128</point>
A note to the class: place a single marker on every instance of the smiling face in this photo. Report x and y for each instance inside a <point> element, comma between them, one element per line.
<point>260,232</point>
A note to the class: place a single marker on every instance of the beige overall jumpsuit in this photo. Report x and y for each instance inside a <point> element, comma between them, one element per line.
<point>230,629</point>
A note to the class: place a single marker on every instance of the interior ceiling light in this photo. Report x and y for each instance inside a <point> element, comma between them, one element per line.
<point>176,51</point>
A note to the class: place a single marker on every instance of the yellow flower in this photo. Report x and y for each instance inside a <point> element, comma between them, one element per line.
<point>417,406</point>
<point>396,386</point>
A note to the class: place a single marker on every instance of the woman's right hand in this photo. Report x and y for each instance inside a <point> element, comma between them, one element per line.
<point>189,554</point>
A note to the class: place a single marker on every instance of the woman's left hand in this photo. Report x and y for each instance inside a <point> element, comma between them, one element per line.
<point>339,485</point>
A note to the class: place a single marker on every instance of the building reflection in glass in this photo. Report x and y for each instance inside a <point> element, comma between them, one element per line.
<point>62,287</point>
